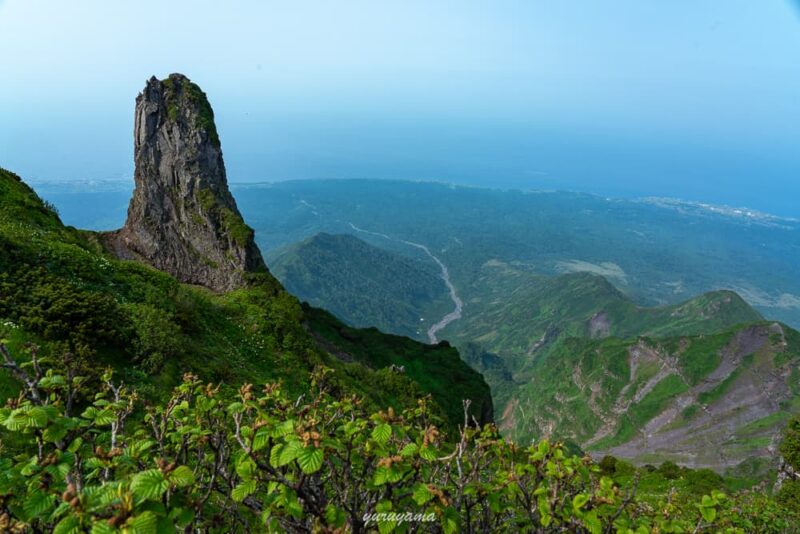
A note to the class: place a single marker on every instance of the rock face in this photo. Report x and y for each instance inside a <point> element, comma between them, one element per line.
<point>182,218</point>
<point>785,472</point>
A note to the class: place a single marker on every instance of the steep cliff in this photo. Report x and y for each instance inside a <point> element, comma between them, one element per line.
<point>182,218</point>
<point>60,289</point>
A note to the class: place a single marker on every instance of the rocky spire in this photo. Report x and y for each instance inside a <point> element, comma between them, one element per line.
<point>182,218</point>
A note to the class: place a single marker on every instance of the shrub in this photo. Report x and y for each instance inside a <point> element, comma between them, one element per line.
<point>608,465</point>
<point>670,470</point>
<point>702,481</point>
<point>790,445</point>
<point>789,495</point>
<point>96,458</point>
<point>57,310</point>
<point>156,335</point>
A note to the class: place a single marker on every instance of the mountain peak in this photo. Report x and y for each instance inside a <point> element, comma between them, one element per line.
<point>182,218</point>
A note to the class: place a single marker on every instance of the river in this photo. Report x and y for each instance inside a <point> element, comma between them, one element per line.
<point>445,274</point>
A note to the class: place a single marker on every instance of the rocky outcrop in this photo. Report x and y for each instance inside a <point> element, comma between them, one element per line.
<point>182,218</point>
<point>785,472</point>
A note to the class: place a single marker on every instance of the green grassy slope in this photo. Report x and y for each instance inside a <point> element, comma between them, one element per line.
<point>60,290</point>
<point>517,313</point>
<point>709,400</point>
<point>705,382</point>
<point>362,284</point>
<point>572,357</point>
<point>437,369</point>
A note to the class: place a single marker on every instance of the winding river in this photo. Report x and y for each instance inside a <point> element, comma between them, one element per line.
<point>445,274</point>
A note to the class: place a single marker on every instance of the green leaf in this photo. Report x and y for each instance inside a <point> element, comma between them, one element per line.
<point>144,523</point>
<point>385,526</point>
<point>292,503</point>
<point>275,455</point>
<point>579,501</point>
<point>381,476</point>
<point>544,509</point>
<point>165,525</point>
<point>31,467</point>
<point>495,502</point>
<point>450,521</point>
<point>137,448</point>
<point>181,516</point>
<point>261,439</point>
<point>334,516</point>
<point>149,484</point>
<point>15,421</point>
<point>283,429</point>
<point>101,527</point>
<point>708,513</point>
<point>544,447</point>
<point>421,494</point>
<point>310,459</point>
<point>245,467</point>
<point>75,445</point>
<point>285,453</point>
<point>427,453</point>
<point>26,417</point>
<point>181,477</point>
<point>37,417</point>
<point>382,433</point>
<point>68,525</point>
<point>352,427</point>
<point>105,417</point>
<point>244,490</point>
<point>409,450</point>
<point>37,503</point>
<point>54,433</point>
<point>153,506</point>
<point>592,522</point>
<point>50,381</point>
<point>395,474</point>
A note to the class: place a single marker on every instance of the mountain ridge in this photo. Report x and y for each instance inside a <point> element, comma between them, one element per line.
<point>572,357</point>
<point>390,290</point>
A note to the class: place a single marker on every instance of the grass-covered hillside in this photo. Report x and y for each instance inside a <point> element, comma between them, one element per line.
<point>704,382</point>
<point>60,290</point>
<point>362,284</point>
<point>515,313</point>
<point>711,400</point>
<point>437,369</point>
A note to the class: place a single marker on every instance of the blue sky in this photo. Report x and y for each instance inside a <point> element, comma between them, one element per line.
<point>696,99</point>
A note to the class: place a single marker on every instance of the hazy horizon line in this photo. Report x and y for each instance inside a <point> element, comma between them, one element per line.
<point>659,200</point>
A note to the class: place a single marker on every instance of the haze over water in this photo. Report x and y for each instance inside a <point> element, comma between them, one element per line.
<point>697,102</point>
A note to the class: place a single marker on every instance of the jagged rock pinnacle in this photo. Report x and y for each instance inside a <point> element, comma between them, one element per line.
<point>182,218</point>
